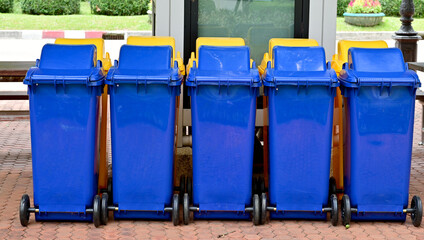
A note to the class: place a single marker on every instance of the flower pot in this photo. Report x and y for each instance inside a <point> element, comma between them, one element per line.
<point>363,19</point>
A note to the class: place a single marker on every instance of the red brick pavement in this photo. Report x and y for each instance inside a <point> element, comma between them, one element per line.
<point>16,179</point>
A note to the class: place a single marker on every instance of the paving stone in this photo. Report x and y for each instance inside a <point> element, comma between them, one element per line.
<point>16,179</point>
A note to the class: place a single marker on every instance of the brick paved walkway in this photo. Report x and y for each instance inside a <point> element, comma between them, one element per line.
<point>16,179</point>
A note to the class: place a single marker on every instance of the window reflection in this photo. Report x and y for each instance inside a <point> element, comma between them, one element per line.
<point>256,21</point>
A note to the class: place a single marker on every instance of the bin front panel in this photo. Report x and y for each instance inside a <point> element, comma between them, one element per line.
<point>300,127</point>
<point>223,120</point>
<point>65,150</point>
<point>379,129</point>
<point>142,125</point>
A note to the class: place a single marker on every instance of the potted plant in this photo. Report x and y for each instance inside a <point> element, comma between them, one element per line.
<point>364,13</point>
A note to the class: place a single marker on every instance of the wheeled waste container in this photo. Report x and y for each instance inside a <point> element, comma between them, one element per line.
<point>379,99</point>
<point>103,56</point>
<point>223,89</point>
<point>287,42</point>
<point>64,91</point>
<point>336,184</point>
<point>301,89</point>
<point>143,88</point>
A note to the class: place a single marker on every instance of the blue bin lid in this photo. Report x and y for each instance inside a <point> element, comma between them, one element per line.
<point>224,66</point>
<point>299,66</point>
<point>145,65</point>
<point>377,67</point>
<point>66,64</point>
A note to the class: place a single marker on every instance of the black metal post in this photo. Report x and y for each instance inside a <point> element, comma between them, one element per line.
<point>406,37</point>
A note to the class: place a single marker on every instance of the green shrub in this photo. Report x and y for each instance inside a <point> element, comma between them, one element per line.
<point>6,6</point>
<point>389,7</point>
<point>50,7</point>
<point>120,8</point>
<point>419,9</point>
<point>341,6</point>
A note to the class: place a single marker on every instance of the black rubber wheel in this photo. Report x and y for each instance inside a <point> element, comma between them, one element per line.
<point>96,211</point>
<point>23,210</point>
<point>176,209</point>
<point>417,215</point>
<point>346,211</point>
<point>110,191</point>
<point>263,208</point>
<point>104,214</point>
<point>189,188</point>
<point>332,187</point>
<point>334,214</point>
<point>186,209</point>
<point>256,210</point>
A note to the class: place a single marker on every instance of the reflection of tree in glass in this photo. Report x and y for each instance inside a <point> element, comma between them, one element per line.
<point>255,21</point>
<point>277,13</point>
<point>207,5</point>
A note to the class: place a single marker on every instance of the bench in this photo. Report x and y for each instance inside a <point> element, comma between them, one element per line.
<point>11,86</point>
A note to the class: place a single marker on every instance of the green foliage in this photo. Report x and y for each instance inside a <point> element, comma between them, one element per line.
<point>364,6</point>
<point>419,9</point>
<point>50,7</point>
<point>6,6</point>
<point>120,8</point>
<point>389,7</point>
<point>341,6</point>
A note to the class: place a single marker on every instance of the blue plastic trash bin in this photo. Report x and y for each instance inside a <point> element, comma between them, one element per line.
<point>64,89</point>
<point>379,99</point>
<point>143,90</point>
<point>301,90</point>
<point>223,90</point>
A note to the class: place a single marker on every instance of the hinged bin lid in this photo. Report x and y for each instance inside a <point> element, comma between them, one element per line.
<point>377,67</point>
<point>145,65</point>
<point>299,66</point>
<point>224,66</point>
<point>66,64</point>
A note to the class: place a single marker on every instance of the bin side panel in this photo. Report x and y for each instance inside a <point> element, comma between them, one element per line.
<point>378,149</point>
<point>300,124</point>
<point>65,147</point>
<point>142,126</point>
<point>223,121</point>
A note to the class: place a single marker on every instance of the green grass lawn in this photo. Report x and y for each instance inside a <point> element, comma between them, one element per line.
<point>388,24</point>
<point>83,21</point>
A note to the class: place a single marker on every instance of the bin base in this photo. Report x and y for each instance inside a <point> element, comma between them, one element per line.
<point>222,215</point>
<point>298,215</point>
<point>151,215</point>
<point>78,217</point>
<point>371,216</point>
